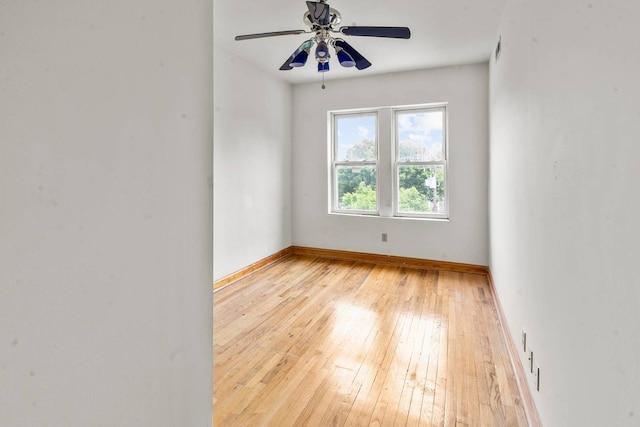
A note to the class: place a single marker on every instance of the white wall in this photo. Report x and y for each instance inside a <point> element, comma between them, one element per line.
<point>105,213</point>
<point>252,163</point>
<point>565,204</point>
<point>464,237</point>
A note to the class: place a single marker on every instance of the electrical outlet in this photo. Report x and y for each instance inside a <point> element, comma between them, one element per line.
<point>536,374</point>
<point>384,237</point>
<point>524,341</point>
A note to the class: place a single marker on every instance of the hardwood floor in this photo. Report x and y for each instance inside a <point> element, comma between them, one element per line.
<point>318,342</point>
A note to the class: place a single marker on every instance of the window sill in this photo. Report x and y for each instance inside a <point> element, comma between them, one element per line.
<point>376,215</point>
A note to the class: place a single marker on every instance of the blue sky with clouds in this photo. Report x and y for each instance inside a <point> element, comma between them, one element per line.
<point>353,129</point>
<point>424,128</point>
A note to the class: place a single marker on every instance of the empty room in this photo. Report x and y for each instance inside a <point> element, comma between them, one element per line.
<point>410,213</point>
<point>439,232</point>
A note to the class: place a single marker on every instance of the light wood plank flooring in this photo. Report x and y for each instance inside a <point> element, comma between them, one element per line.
<point>319,342</point>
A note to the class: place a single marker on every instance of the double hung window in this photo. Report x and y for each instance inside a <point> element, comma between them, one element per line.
<point>355,164</point>
<point>390,162</point>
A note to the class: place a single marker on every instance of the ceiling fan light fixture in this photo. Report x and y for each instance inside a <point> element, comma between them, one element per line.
<point>300,59</point>
<point>322,51</point>
<point>344,58</point>
<point>323,67</point>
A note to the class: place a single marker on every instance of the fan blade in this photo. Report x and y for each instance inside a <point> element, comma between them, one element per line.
<point>287,64</point>
<point>361,61</point>
<point>319,13</point>
<point>390,32</point>
<point>271,34</point>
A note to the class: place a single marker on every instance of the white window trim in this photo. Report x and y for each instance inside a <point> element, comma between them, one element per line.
<point>386,162</point>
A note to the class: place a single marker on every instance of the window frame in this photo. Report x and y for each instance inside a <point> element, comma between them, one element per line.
<point>335,164</point>
<point>397,163</point>
<point>387,164</point>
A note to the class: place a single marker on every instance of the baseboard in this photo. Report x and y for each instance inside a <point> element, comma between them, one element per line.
<point>533,419</point>
<point>218,284</point>
<point>397,261</point>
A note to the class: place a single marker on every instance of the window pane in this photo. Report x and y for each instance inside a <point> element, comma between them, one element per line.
<point>419,136</point>
<point>421,189</point>
<point>356,188</point>
<point>356,138</point>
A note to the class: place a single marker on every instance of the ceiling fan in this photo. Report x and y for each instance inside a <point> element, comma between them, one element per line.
<point>322,21</point>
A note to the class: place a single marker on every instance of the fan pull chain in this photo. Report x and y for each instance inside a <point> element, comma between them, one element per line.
<point>323,81</point>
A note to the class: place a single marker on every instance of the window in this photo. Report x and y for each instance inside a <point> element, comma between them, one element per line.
<point>355,162</point>
<point>390,162</point>
<point>420,161</point>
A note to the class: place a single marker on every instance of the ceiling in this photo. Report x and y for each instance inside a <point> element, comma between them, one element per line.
<point>443,33</point>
